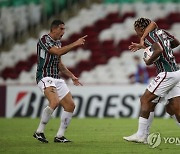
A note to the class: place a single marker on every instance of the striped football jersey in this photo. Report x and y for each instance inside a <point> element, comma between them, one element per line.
<point>166,62</point>
<point>47,64</point>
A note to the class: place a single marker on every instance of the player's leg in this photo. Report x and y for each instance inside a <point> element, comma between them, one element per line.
<point>169,109</point>
<point>173,108</point>
<point>152,92</point>
<point>47,85</point>
<point>68,104</point>
<point>176,108</point>
<point>146,103</point>
<point>151,114</point>
<point>51,95</point>
<point>146,107</point>
<point>66,101</point>
<point>150,119</point>
<point>144,120</point>
<point>159,86</point>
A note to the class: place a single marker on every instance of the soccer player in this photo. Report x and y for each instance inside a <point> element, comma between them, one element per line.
<point>165,85</point>
<point>49,65</point>
<point>169,107</point>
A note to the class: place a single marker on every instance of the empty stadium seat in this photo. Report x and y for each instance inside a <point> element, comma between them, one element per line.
<point>105,57</point>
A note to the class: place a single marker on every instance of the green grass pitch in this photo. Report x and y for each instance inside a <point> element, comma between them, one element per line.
<point>89,135</point>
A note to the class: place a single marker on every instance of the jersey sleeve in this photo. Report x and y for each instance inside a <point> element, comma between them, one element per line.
<point>45,43</point>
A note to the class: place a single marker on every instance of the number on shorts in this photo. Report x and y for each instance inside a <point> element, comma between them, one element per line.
<point>156,79</point>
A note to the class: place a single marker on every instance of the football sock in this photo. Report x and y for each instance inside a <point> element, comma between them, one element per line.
<point>142,127</point>
<point>65,120</point>
<point>174,117</point>
<point>150,119</point>
<point>44,119</point>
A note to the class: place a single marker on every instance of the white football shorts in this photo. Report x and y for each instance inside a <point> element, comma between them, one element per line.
<point>59,84</point>
<point>165,85</point>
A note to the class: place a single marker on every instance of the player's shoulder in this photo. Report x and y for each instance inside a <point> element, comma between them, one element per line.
<point>153,35</point>
<point>164,34</point>
<point>155,31</point>
<point>45,38</point>
<point>159,31</point>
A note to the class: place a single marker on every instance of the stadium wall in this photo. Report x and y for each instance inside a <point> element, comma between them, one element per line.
<point>91,101</point>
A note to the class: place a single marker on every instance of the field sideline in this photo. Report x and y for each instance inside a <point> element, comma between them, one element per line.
<point>90,136</point>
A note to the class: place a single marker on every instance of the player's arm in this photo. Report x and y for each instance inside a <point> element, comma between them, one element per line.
<point>148,29</point>
<point>67,48</point>
<point>136,46</point>
<point>157,51</point>
<point>63,69</point>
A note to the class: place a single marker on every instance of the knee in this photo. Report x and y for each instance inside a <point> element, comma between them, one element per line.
<point>142,99</point>
<point>70,106</point>
<point>146,107</point>
<point>143,104</point>
<point>53,104</point>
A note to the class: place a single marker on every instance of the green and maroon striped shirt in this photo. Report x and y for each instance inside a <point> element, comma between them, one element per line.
<point>47,64</point>
<point>166,62</point>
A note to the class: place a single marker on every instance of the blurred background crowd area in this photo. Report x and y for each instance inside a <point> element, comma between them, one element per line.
<point>104,59</point>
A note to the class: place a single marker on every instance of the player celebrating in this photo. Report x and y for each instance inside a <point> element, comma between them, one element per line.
<point>165,85</point>
<point>49,64</point>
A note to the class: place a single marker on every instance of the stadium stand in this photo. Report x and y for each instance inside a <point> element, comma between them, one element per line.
<point>105,59</point>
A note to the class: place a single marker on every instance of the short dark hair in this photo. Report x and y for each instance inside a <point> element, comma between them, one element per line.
<point>56,23</point>
<point>142,23</point>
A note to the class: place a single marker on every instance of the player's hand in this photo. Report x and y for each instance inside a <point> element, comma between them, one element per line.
<point>80,41</point>
<point>76,81</point>
<point>134,46</point>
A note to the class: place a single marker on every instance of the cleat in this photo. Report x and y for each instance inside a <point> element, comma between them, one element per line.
<point>135,138</point>
<point>61,139</point>
<point>40,137</point>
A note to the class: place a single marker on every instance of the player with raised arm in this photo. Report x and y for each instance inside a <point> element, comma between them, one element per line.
<point>165,85</point>
<point>136,46</point>
<point>49,65</point>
